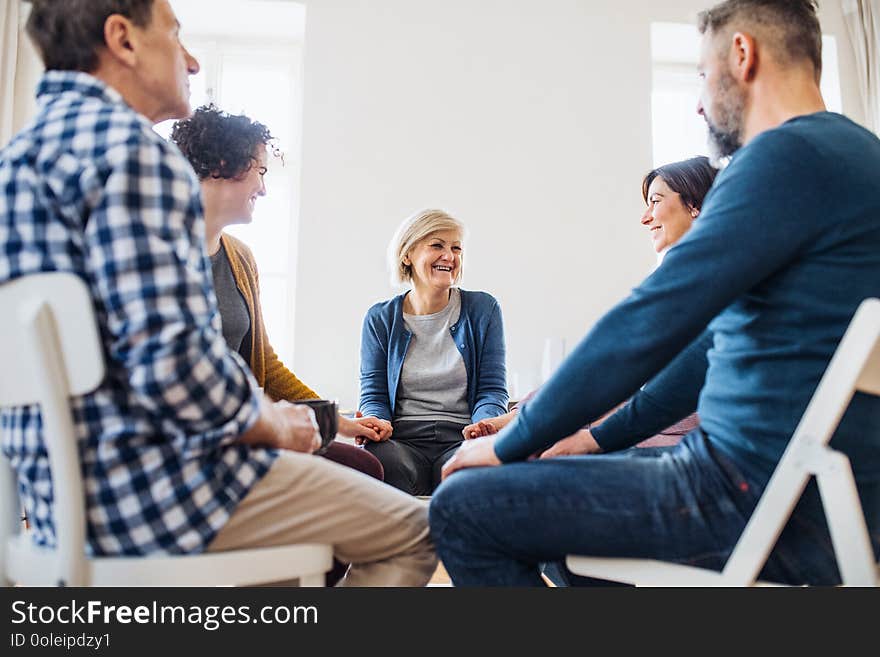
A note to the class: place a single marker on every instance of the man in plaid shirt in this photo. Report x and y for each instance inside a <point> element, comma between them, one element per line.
<point>180,452</point>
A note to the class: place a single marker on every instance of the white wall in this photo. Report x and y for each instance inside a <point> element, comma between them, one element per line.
<point>528,120</point>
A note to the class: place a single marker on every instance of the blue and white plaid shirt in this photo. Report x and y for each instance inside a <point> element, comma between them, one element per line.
<point>90,188</point>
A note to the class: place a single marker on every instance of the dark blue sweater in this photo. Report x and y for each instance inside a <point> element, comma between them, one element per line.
<point>670,396</point>
<point>786,247</point>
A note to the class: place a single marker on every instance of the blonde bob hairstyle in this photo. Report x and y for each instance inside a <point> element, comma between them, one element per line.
<point>413,230</point>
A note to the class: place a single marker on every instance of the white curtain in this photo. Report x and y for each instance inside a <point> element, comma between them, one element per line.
<point>862,19</point>
<point>9,17</point>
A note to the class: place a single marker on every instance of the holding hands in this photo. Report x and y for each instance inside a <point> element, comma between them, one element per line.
<point>363,429</point>
<point>283,425</point>
<point>480,429</point>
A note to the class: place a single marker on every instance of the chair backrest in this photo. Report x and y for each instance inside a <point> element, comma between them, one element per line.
<point>50,351</point>
<point>854,367</point>
<point>67,299</point>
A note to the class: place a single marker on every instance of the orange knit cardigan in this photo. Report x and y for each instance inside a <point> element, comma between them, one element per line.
<point>272,375</point>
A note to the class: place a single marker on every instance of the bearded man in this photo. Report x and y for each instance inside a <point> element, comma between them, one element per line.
<point>786,247</point>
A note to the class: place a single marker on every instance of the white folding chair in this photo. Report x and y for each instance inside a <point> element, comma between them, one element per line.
<point>50,351</point>
<point>854,367</point>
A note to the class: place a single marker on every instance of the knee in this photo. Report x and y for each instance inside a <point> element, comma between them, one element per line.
<point>356,459</point>
<point>396,469</point>
<point>450,502</point>
<point>460,486</point>
<point>369,464</point>
<point>375,469</point>
<point>387,454</point>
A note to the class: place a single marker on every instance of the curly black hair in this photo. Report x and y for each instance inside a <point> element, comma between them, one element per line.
<point>220,145</point>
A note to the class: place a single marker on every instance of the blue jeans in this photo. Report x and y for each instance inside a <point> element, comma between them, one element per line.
<point>686,504</point>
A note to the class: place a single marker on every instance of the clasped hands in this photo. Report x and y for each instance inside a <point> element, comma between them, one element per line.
<point>299,432</point>
<point>364,429</point>
<point>286,425</point>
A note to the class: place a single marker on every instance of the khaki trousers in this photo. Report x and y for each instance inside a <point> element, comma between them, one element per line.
<point>382,532</point>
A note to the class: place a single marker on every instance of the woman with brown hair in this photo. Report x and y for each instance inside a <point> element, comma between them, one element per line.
<point>230,155</point>
<point>673,195</point>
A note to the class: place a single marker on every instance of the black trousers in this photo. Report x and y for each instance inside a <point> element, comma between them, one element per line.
<point>415,454</point>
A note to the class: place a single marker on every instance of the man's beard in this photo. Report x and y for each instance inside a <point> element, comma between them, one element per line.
<point>725,131</point>
<point>722,145</point>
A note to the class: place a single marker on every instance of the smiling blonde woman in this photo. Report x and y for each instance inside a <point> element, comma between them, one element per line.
<point>432,358</point>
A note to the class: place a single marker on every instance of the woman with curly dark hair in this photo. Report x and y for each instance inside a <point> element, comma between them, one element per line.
<point>230,155</point>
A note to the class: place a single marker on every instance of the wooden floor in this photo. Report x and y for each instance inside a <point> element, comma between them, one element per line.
<point>440,577</point>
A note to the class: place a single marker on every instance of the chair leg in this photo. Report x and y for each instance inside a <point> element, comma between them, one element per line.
<point>846,521</point>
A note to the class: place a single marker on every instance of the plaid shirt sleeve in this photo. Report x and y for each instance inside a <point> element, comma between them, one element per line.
<point>145,251</point>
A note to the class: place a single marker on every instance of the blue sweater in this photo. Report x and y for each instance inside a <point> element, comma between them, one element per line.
<point>786,247</point>
<point>478,334</point>
<point>670,396</point>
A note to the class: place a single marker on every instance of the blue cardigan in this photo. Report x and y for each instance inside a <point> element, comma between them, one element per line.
<point>478,335</point>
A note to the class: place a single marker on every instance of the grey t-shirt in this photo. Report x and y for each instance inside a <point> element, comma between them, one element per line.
<point>233,309</point>
<point>433,380</point>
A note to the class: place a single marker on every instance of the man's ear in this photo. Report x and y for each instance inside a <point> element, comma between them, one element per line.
<point>120,39</point>
<point>743,59</point>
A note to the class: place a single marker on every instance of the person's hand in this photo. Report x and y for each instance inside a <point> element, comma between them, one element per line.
<point>283,425</point>
<point>357,429</point>
<point>580,442</point>
<point>297,428</point>
<point>472,454</point>
<point>479,429</point>
<point>381,428</point>
<point>488,427</point>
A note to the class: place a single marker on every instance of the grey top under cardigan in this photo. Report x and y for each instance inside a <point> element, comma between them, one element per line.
<point>478,336</point>
<point>433,380</point>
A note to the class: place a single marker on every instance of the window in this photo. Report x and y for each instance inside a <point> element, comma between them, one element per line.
<point>250,56</point>
<point>678,132</point>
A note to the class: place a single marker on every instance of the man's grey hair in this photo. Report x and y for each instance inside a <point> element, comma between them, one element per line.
<point>789,28</point>
<point>69,33</point>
